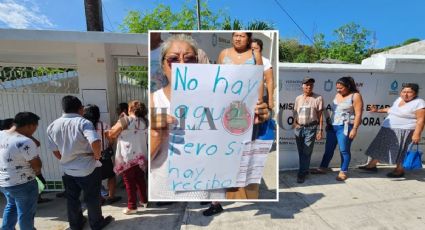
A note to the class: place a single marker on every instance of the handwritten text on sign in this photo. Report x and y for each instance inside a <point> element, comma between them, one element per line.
<point>215,105</point>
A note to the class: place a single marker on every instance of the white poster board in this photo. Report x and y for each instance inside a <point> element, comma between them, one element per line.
<point>215,105</point>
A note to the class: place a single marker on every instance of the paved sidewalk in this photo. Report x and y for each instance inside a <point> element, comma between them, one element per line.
<point>364,201</point>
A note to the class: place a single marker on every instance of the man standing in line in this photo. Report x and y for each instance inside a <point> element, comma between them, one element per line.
<point>74,141</point>
<point>308,123</point>
<point>19,165</point>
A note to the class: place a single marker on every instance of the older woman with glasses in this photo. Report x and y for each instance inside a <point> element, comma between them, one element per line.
<point>178,48</point>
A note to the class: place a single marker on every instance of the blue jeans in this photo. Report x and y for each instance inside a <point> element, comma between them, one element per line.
<point>90,185</point>
<point>305,137</point>
<point>21,205</point>
<point>334,137</point>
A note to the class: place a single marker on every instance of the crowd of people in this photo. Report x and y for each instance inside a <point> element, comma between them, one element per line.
<point>90,150</point>
<point>403,126</point>
<point>181,48</point>
<point>83,146</point>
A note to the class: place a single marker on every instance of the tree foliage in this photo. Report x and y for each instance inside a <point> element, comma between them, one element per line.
<point>15,73</point>
<point>237,24</point>
<point>352,44</point>
<point>163,18</point>
<point>138,73</point>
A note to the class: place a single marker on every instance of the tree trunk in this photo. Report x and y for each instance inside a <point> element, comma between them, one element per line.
<point>94,18</point>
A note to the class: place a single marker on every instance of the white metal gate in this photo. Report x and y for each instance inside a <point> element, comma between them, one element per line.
<point>38,90</point>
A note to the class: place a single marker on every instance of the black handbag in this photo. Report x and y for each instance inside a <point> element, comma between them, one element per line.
<point>329,126</point>
<point>108,152</point>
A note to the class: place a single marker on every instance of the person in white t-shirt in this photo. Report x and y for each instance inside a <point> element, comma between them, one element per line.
<point>19,165</point>
<point>403,126</point>
<point>257,45</point>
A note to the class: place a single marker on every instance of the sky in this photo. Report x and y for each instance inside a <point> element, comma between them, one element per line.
<point>391,21</point>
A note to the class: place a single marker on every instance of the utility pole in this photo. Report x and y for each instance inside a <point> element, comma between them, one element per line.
<point>94,18</point>
<point>199,14</point>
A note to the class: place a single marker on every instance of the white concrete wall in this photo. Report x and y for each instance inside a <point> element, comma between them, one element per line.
<point>92,63</point>
<point>374,78</point>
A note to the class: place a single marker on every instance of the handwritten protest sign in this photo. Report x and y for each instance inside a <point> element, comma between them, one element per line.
<point>215,108</point>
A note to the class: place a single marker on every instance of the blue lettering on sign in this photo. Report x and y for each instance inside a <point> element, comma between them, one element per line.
<point>204,115</point>
<point>231,150</point>
<point>181,111</point>
<point>190,85</point>
<point>195,178</point>
<point>214,150</point>
<point>198,148</point>
<point>236,87</point>
<point>238,90</point>
<point>172,169</point>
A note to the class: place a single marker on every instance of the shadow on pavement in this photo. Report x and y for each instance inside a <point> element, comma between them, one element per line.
<point>288,178</point>
<point>290,203</point>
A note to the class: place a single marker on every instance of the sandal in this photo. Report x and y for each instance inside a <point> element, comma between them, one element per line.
<point>128,211</point>
<point>341,176</point>
<point>112,200</point>
<point>395,175</point>
<point>319,171</point>
<point>107,220</point>
<point>369,169</point>
<point>214,209</point>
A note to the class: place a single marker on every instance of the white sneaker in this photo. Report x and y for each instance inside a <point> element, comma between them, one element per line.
<point>127,211</point>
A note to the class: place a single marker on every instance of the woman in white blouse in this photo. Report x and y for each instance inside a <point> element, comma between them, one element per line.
<point>402,126</point>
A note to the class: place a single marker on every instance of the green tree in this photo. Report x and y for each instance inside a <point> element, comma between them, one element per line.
<point>236,24</point>
<point>380,50</point>
<point>230,24</point>
<point>259,25</point>
<point>14,73</point>
<point>410,40</point>
<point>290,50</point>
<point>351,45</point>
<point>163,18</point>
<point>138,73</point>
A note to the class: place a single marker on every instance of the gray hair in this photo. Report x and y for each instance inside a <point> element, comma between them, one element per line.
<point>177,37</point>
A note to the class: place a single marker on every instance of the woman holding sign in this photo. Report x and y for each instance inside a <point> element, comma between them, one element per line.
<point>239,54</point>
<point>242,54</point>
<point>178,48</point>
<point>402,126</point>
<point>342,126</point>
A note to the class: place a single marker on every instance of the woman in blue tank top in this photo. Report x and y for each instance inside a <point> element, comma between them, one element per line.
<point>342,125</point>
<point>239,54</point>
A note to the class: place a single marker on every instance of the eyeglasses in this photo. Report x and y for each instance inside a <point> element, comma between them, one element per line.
<point>190,58</point>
